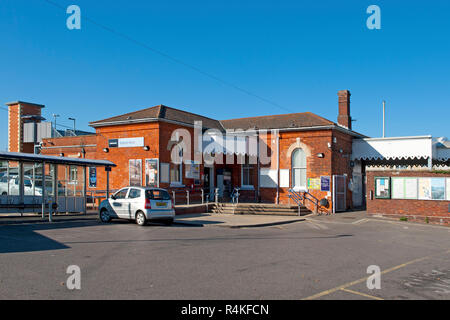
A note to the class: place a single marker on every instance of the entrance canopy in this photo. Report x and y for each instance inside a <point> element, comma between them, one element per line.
<point>413,150</point>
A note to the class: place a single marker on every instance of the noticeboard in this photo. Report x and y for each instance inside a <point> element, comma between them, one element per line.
<point>382,188</point>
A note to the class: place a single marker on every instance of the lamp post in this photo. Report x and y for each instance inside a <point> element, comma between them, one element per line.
<point>74,132</point>
<point>55,116</point>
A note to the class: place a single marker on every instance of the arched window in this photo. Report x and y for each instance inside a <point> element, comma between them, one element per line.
<point>299,169</point>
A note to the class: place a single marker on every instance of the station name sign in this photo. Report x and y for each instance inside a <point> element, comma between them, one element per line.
<point>126,142</point>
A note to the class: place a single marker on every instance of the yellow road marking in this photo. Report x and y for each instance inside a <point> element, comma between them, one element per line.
<point>349,284</point>
<point>362,294</point>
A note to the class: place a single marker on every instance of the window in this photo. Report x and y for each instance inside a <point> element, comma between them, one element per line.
<point>299,169</point>
<point>157,195</point>
<point>134,193</point>
<point>247,173</point>
<point>121,194</point>
<point>176,170</point>
<point>73,173</point>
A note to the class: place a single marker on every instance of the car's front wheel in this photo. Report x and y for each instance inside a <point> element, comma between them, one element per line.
<point>104,215</point>
<point>140,218</point>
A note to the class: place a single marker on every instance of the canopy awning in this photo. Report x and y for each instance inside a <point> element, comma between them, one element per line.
<point>31,157</point>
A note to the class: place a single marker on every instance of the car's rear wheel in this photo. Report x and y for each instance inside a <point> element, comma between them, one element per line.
<point>104,215</point>
<point>140,218</point>
<point>4,194</point>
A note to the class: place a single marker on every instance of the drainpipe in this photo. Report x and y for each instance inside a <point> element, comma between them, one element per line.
<point>278,165</point>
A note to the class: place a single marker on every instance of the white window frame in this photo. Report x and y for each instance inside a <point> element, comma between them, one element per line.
<point>299,188</point>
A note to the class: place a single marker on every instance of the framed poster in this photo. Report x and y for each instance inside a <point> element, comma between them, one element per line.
<point>325,183</point>
<point>314,184</point>
<point>135,171</point>
<point>411,188</point>
<point>438,188</point>
<point>448,189</point>
<point>151,173</point>
<point>192,170</point>
<point>92,177</point>
<point>398,188</point>
<point>382,188</point>
<point>424,188</point>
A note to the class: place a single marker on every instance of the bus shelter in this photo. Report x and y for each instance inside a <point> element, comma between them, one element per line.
<point>46,184</point>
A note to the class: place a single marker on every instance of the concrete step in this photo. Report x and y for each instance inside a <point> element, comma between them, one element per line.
<point>259,209</point>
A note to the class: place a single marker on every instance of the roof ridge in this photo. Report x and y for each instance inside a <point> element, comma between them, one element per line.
<point>272,115</point>
<point>128,113</point>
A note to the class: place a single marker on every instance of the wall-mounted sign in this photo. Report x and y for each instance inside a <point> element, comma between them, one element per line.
<point>192,170</point>
<point>325,183</point>
<point>314,184</point>
<point>92,177</point>
<point>126,142</point>
<point>135,171</point>
<point>382,188</point>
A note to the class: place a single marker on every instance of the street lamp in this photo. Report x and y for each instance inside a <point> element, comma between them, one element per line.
<point>73,119</point>
<point>55,116</point>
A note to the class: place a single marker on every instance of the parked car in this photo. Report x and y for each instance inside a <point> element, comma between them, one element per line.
<point>141,204</point>
<point>12,188</point>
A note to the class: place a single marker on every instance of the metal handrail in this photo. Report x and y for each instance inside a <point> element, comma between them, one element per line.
<point>302,196</point>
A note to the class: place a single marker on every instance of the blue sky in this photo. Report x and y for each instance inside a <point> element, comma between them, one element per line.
<point>297,54</point>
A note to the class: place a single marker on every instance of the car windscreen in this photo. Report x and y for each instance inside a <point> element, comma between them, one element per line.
<point>157,195</point>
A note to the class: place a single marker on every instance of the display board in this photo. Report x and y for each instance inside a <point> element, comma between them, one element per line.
<point>92,177</point>
<point>325,182</point>
<point>438,188</point>
<point>164,174</point>
<point>382,188</point>
<point>151,173</point>
<point>448,189</point>
<point>192,170</point>
<point>284,178</point>
<point>268,178</point>
<point>314,184</point>
<point>404,188</point>
<point>424,188</point>
<point>421,188</point>
<point>135,170</point>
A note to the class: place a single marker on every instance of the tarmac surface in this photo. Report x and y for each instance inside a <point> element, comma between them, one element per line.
<point>208,257</point>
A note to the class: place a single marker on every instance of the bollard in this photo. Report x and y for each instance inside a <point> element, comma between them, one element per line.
<point>173,196</point>
<point>50,211</point>
<point>216,195</point>
<point>203,195</point>
<point>187,197</point>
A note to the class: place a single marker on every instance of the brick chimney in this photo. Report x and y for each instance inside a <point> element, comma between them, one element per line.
<point>344,118</point>
<point>18,113</point>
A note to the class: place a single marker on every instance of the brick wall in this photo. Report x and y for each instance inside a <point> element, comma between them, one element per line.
<point>416,210</point>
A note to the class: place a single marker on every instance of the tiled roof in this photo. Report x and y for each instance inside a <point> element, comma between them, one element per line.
<point>292,120</point>
<point>164,113</point>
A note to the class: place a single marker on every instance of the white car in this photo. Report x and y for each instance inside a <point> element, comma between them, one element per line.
<point>31,187</point>
<point>141,204</point>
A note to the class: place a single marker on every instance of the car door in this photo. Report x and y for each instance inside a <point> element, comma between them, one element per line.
<point>135,202</point>
<point>119,203</point>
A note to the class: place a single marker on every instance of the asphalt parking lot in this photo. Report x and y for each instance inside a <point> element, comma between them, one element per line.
<point>318,258</point>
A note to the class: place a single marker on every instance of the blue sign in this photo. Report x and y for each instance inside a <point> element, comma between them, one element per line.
<point>325,183</point>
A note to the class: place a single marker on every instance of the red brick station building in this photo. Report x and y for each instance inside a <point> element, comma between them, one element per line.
<point>308,155</point>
